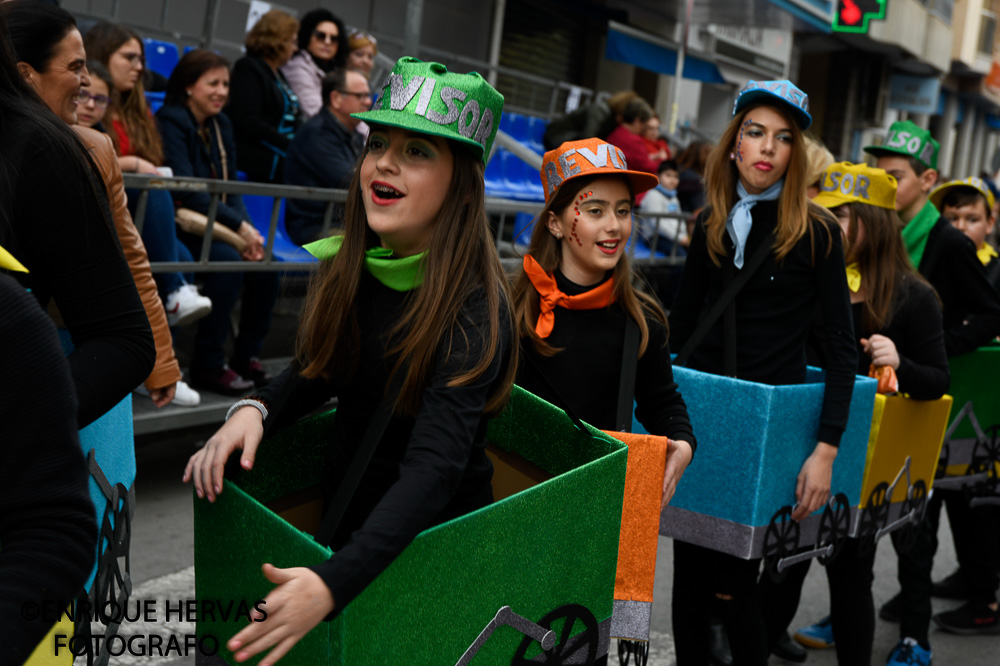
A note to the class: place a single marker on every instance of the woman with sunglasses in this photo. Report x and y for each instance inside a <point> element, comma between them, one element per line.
<point>322,47</point>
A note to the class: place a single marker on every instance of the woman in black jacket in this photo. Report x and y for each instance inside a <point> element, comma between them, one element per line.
<point>264,109</point>
<point>198,142</point>
<point>756,184</point>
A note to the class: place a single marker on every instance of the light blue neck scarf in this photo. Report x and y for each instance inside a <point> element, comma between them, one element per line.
<point>739,221</point>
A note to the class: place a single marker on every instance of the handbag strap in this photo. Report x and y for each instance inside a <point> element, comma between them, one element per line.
<point>359,463</point>
<point>727,300</point>
<point>626,384</point>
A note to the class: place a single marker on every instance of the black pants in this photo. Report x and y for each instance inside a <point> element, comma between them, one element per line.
<point>852,609</point>
<point>977,544</point>
<point>914,573</point>
<point>699,575</point>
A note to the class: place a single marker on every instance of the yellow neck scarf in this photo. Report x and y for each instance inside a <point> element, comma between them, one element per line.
<point>8,261</point>
<point>986,253</point>
<point>853,277</point>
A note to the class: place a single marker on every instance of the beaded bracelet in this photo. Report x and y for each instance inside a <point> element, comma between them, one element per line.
<point>247,402</point>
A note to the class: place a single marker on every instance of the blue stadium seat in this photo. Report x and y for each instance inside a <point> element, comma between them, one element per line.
<point>495,186</point>
<point>259,207</point>
<point>536,130</point>
<point>155,100</point>
<point>161,57</point>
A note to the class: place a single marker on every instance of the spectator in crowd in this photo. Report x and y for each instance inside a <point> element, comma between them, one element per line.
<point>969,204</point>
<point>140,150</point>
<point>598,119</point>
<point>663,199</point>
<point>264,109</point>
<point>322,47</point>
<point>691,187</point>
<point>198,141</point>
<point>325,151</point>
<point>34,24</point>
<point>656,145</point>
<point>66,239</point>
<point>628,136</point>
<point>363,49</point>
<point>95,98</point>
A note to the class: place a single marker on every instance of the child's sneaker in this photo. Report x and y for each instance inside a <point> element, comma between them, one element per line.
<point>185,305</point>
<point>818,636</point>
<point>909,653</point>
<point>970,618</point>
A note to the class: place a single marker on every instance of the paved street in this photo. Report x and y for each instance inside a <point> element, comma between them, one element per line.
<point>162,568</point>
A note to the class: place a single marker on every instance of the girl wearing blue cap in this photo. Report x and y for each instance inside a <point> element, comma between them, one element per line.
<point>408,324</point>
<point>759,214</point>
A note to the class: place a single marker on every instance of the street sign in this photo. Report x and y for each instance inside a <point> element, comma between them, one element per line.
<point>855,15</point>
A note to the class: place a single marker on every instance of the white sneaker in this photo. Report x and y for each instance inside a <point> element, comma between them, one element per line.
<point>185,396</point>
<point>185,305</point>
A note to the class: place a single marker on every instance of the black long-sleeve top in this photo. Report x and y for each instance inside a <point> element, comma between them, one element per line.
<point>425,470</point>
<point>60,228</point>
<point>971,305</point>
<point>187,154</point>
<point>586,374</point>
<point>47,527</point>
<point>264,118</point>
<point>916,330</point>
<point>774,313</point>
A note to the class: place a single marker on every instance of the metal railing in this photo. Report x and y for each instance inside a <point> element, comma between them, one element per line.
<point>504,210</point>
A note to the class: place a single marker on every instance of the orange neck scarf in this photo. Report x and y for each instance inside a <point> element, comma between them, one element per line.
<point>550,296</point>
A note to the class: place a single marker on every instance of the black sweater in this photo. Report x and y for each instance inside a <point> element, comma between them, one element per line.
<point>916,331</point>
<point>47,529</point>
<point>774,313</point>
<point>971,304</point>
<point>263,119</point>
<point>587,373</point>
<point>185,152</point>
<point>61,230</point>
<point>425,470</point>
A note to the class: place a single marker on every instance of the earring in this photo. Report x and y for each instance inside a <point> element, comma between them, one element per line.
<point>189,93</point>
<point>558,235</point>
<point>732,156</point>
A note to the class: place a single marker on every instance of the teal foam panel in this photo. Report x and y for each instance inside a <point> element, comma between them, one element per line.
<point>753,439</point>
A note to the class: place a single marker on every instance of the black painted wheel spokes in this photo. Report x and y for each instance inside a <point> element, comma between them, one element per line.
<point>627,649</point>
<point>567,645</point>
<point>915,501</point>
<point>780,540</point>
<point>873,518</point>
<point>834,526</point>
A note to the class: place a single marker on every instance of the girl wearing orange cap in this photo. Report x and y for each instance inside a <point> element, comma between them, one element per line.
<point>897,323</point>
<point>575,297</point>
<point>759,220</point>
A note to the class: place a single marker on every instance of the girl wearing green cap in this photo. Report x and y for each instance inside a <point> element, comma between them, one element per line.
<point>897,323</point>
<point>408,324</point>
<point>756,183</point>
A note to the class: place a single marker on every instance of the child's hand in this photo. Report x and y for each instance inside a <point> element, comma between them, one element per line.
<point>243,431</point>
<point>679,454</point>
<point>882,351</point>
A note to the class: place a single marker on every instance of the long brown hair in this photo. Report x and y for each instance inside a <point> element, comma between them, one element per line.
<point>882,261</point>
<point>130,107</point>
<point>796,213</point>
<point>461,260</point>
<point>547,251</point>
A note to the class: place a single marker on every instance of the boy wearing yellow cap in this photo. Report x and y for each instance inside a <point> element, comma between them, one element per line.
<point>971,313</point>
<point>969,205</point>
<point>897,323</point>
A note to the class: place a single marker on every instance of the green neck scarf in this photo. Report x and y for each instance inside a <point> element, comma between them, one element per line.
<point>916,231</point>
<point>398,273</point>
